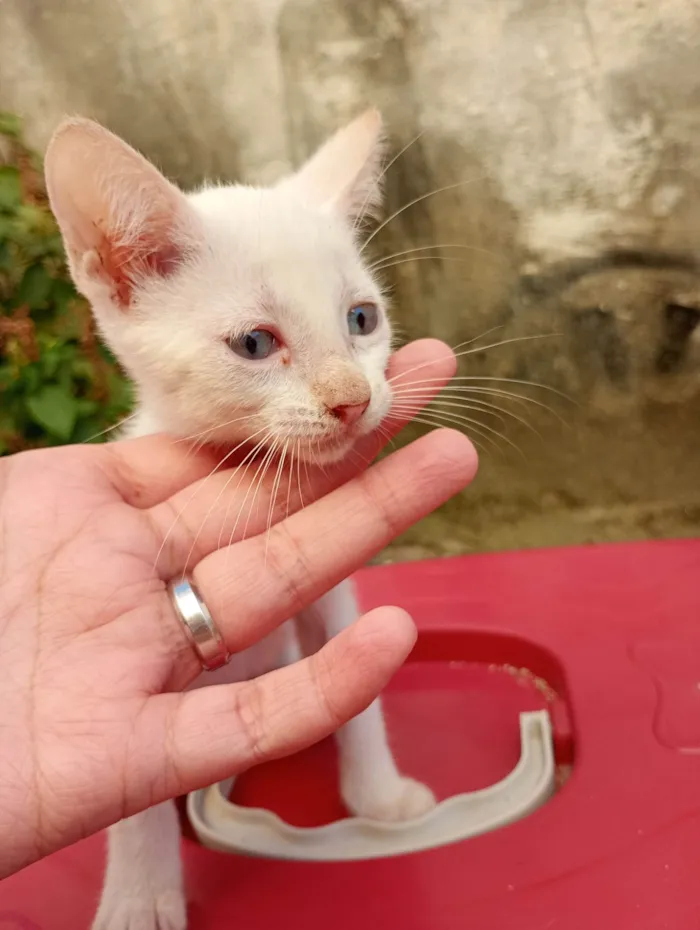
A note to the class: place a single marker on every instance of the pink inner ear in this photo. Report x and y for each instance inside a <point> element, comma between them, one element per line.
<point>121,220</point>
<point>125,265</point>
<point>344,174</point>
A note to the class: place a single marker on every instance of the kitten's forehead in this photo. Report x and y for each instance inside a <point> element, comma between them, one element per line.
<point>268,246</point>
<point>269,225</point>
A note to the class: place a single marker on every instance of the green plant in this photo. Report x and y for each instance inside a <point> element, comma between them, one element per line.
<point>58,383</point>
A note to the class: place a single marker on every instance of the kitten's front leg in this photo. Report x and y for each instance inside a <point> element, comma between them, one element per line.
<point>143,887</point>
<point>370,782</point>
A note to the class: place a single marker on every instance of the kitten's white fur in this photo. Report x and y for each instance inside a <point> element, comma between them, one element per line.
<point>170,278</point>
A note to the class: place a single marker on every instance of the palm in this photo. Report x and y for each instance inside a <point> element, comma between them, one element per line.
<point>75,673</point>
<point>95,725</point>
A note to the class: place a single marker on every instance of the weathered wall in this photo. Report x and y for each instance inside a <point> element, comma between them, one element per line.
<point>574,127</point>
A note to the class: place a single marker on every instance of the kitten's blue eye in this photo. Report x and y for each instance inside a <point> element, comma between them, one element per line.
<point>363,319</point>
<point>255,345</point>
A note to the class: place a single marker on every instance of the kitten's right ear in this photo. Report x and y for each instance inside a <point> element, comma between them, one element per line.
<point>122,221</point>
<point>344,175</point>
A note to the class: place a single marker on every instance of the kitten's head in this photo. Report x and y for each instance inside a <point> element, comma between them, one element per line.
<point>241,311</point>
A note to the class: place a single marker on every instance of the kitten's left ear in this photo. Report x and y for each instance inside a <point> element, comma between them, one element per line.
<point>122,222</point>
<point>344,175</point>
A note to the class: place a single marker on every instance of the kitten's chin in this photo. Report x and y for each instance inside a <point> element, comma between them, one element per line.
<point>333,452</point>
<point>337,448</point>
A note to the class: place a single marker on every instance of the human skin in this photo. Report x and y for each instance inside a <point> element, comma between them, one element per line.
<point>93,660</point>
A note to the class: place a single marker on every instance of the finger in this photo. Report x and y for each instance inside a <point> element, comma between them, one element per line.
<point>260,582</point>
<point>221,730</point>
<point>428,359</point>
<point>223,507</point>
<point>150,469</point>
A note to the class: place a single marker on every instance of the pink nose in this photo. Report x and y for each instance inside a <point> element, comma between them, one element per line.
<point>349,413</point>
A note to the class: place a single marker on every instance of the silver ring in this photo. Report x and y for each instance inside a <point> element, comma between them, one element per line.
<point>201,630</point>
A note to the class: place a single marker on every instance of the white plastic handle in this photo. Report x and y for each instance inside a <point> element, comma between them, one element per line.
<point>227,827</point>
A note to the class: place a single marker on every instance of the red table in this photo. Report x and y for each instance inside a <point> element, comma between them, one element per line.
<point>615,633</point>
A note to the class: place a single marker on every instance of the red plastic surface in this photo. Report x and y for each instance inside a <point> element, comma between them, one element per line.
<point>615,631</point>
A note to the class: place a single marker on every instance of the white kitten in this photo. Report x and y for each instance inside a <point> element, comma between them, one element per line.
<point>250,313</point>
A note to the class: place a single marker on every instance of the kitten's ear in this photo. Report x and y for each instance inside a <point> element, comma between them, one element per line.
<point>344,174</point>
<point>122,221</point>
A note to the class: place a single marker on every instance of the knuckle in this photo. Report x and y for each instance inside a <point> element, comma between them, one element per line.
<point>249,721</point>
<point>383,501</point>
<point>288,564</point>
<point>322,677</point>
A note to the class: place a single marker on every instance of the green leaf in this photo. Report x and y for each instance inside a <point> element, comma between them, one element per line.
<point>121,394</point>
<point>35,288</point>
<point>50,360</point>
<point>5,256</point>
<point>7,376</point>
<point>87,407</point>
<point>89,430</point>
<point>10,125</point>
<point>30,376</point>
<point>36,220</point>
<point>64,296</point>
<point>55,410</point>
<point>83,368</point>
<point>59,396</point>
<point>10,187</point>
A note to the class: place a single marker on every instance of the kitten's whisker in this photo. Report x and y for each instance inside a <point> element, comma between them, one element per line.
<point>306,471</point>
<point>194,448</point>
<point>457,400</point>
<point>245,465</point>
<point>475,350</point>
<point>262,465</point>
<point>487,409</point>
<point>110,428</point>
<point>289,484</point>
<point>321,464</point>
<point>245,498</point>
<point>273,495</point>
<point>382,174</point>
<point>301,496</point>
<point>213,505</point>
<point>409,255</point>
<point>192,497</point>
<point>427,248</point>
<point>421,258</point>
<point>211,429</point>
<point>504,342</point>
<point>313,454</point>
<point>470,342</point>
<point>483,443</point>
<point>456,418</point>
<point>425,421</point>
<point>358,455</point>
<point>459,345</point>
<point>454,392</point>
<point>355,457</point>
<point>257,482</point>
<point>381,429</point>
<point>412,203</point>
<point>477,378</point>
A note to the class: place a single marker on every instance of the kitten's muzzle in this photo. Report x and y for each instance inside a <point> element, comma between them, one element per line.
<point>349,414</point>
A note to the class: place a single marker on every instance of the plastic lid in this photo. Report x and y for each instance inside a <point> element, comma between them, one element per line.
<point>227,827</point>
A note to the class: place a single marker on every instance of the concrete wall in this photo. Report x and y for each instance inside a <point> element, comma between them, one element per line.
<point>573,127</point>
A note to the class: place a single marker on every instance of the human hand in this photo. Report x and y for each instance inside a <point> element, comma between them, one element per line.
<point>93,660</point>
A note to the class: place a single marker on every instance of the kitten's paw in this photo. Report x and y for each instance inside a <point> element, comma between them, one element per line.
<point>402,799</point>
<point>166,910</point>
